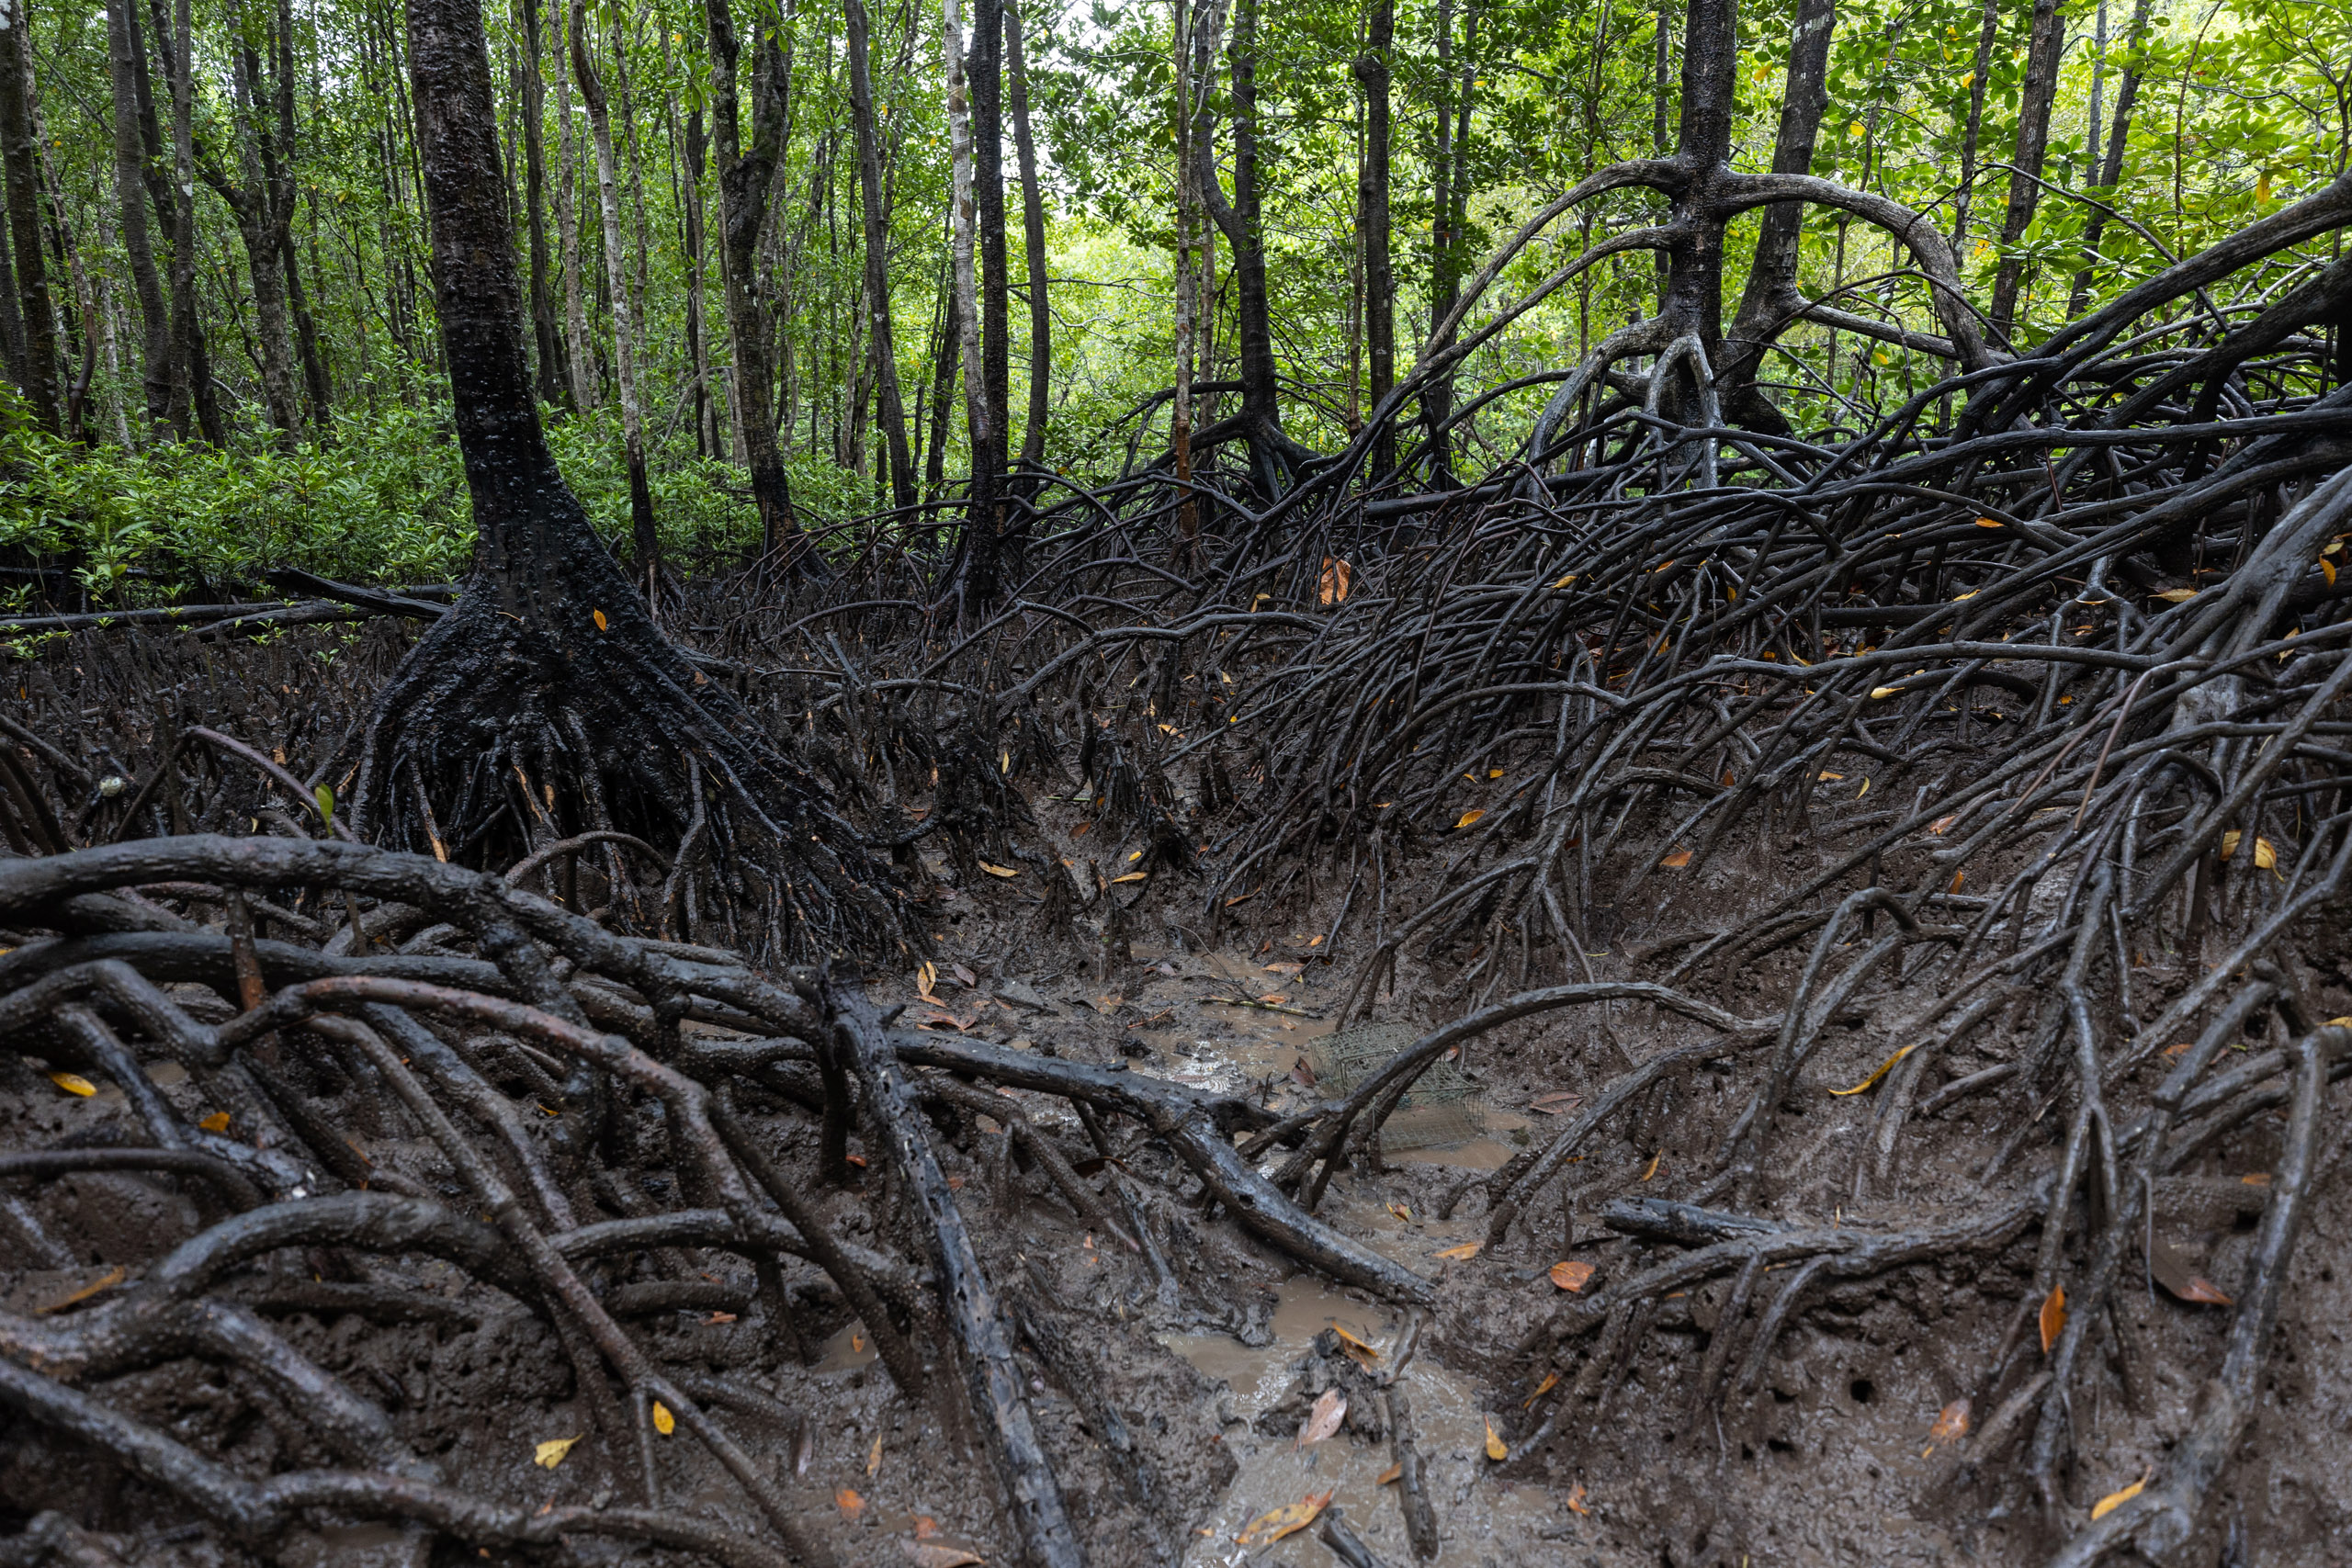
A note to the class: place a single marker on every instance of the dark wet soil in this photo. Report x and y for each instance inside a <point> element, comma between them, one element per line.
<point>1184,1371</point>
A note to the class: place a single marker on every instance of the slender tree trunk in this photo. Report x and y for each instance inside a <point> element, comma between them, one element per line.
<point>1451,204</point>
<point>644,543</point>
<point>254,204</point>
<point>942,372</point>
<point>1032,233</point>
<point>192,359</point>
<point>1770,298</point>
<point>2111,173</point>
<point>2044,52</point>
<point>580,357</point>
<point>746,174</point>
<point>988,537</point>
<point>1188,236</point>
<point>875,213</point>
<point>131,206</point>
<point>979,533</point>
<point>38,378</point>
<point>1371,220</point>
<point>553,364</point>
<point>1963,199</point>
<point>1239,221</point>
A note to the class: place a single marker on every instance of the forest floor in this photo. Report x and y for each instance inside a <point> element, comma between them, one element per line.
<point>1187,1366</point>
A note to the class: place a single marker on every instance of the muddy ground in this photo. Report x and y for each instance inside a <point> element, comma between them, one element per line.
<point>1187,1366</point>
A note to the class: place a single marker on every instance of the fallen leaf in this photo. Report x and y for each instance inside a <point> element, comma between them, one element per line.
<point>2176,595</point>
<point>105,1282</point>
<point>1952,1422</point>
<point>2173,1271</point>
<point>2258,1179</point>
<point>1463,1252</point>
<point>1677,860</point>
<point>1575,1500</point>
<point>1988,523</point>
<point>2115,1500</point>
<point>663,1421</point>
<point>1468,818</point>
<point>73,1083</point>
<point>1550,1380</point>
<point>1880,694</point>
<point>1132,876</point>
<point>2265,857</point>
<point>1362,1349</point>
<point>1330,1410</point>
<point>849,1503</point>
<point>1338,576</point>
<point>1884,1068</point>
<point>998,870</point>
<point>1285,968</point>
<point>1287,1519</point>
<point>1301,1074</point>
<point>971,981</point>
<point>720,1317</point>
<point>1943,823</point>
<point>874,1459</point>
<point>1570,1273</point>
<point>938,1554</point>
<point>599,617</point>
<point>216,1122</point>
<point>1495,1448</point>
<point>1494,773</point>
<point>858,1160</point>
<point>549,1454</point>
<point>1238,898</point>
<point>1655,1159</point>
<point>1828,776</point>
<point>2053,1317</point>
<point>1390,1476</point>
<point>1559,1103</point>
<point>1401,1212</point>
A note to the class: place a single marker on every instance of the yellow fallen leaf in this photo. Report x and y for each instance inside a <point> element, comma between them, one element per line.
<point>2176,595</point>
<point>1677,860</point>
<point>216,1122</point>
<point>599,616</point>
<point>1565,580</point>
<point>1550,1380</point>
<point>1132,876</point>
<point>1952,1422</point>
<point>1883,1067</point>
<point>1390,1476</point>
<point>1362,1349</point>
<point>998,870</point>
<point>105,1282</point>
<point>1463,1252</point>
<point>2266,858</point>
<point>1288,1519</point>
<point>1494,773</point>
<point>2328,568</point>
<point>549,1454</point>
<point>73,1083</point>
<point>1826,776</point>
<point>874,1459</point>
<point>1570,1273</point>
<point>663,1421</point>
<point>1863,791</point>
<point>1654,1165</point>
<point>1880,694</point>
<point>1988,523</point>
<point>2229,842</point>
<point>2115,1500</point>
<point>1495,1448</point>
<point>1468,818</point>
<point>2053,1317</point>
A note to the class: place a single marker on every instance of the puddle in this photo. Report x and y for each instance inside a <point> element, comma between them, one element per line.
<point>1477,1519</point>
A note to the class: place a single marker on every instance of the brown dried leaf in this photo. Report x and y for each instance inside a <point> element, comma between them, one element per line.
<point>1677,860</point>
<point>1390,1476</point>
<point>851,1504</point>
<point>2053,1317</point>
<point>1559,1103</point>
<point>1496,1449</point>
<point>998,870</point>
<point>1338,577</point>
<point>1468,818</point>
<point>1466,1251</point>
<point>1570,1273</point>
<point>1952,1422</point>
<point>1330,1410</point>
<point>938,1554</point>
<point>1575,1500</point>
<point>2178,1275</point>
